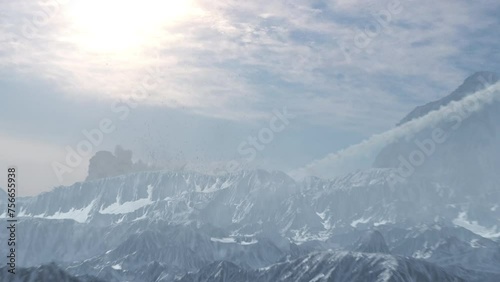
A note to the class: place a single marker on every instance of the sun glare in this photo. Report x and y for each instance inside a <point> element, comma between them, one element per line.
<point>121,25</point>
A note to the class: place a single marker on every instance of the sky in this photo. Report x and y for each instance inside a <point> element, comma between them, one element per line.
<point>192,83</point>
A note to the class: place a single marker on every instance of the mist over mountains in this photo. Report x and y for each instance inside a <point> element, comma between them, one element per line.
<point>427,210</point>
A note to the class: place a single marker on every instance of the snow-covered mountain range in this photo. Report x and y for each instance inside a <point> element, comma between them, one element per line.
<point>426,211</point>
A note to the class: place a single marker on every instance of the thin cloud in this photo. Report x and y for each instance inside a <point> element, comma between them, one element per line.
<point>33,160</point>
<point>208,62</point>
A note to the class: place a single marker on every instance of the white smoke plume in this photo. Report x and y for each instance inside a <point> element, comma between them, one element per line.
<point>360,156</point>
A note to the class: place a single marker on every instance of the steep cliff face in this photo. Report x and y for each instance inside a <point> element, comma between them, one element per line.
<point>372,242</point>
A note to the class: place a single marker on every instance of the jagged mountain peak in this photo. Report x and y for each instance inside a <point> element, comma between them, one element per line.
<point>43,273</point>
<point>372,242</point>
<point>330,266</point>
<point>461,148</point>
<point>219,271</point>
<point>471,84</point>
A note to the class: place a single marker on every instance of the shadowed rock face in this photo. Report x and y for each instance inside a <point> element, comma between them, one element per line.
<point>43,273</point>
<point>329,266</point>
<point>372,242</point>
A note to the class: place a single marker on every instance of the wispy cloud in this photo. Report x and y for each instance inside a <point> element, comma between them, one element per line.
<point>233,59</point>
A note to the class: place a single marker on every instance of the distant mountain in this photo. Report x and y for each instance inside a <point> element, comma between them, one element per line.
<point>463,146</point>
<point>44,273</point>
<point>472,84</point>
<point>153,225</point>
<point>220,272</point>
<point>330,266</point>
<point>460,157</point>
<point>372,242</point>
<point>176,250</point>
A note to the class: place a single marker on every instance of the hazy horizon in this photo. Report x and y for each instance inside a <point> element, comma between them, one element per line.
<point>190,85</point>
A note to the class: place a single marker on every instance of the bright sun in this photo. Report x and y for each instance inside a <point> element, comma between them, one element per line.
<point>122,25</point>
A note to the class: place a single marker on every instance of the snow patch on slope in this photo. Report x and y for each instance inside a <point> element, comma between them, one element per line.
<point>229,240</point>
<point>475,227</point>
<point>128,207</point>
<point>80,215</point>
<point>360,221</point>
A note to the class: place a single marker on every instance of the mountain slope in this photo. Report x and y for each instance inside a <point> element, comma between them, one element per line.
<point>44,273</point>
<point>473,83</point>
<point>372,242</point>
<point>330,266</point>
